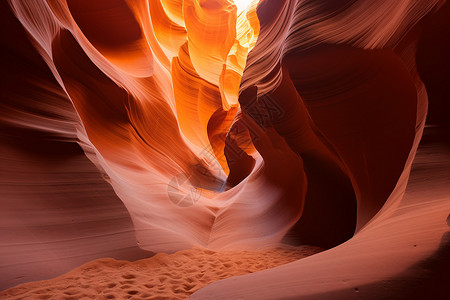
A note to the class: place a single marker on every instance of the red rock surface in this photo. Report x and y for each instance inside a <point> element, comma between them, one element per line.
<point>131,127</point>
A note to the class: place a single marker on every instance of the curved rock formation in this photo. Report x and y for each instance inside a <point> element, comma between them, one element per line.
<point>228,128</point>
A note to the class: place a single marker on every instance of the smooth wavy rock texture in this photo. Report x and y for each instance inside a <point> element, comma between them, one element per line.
<point>137,126</point>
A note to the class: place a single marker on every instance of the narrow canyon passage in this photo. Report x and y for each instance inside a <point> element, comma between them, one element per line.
<point>135,128</point>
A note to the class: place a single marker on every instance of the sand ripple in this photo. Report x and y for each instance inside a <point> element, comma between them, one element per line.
<point>163,276</point>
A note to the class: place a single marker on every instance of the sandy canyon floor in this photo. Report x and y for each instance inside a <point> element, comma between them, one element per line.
<point>163,276</point>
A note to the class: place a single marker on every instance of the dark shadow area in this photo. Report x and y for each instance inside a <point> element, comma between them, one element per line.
<point>433,63</point>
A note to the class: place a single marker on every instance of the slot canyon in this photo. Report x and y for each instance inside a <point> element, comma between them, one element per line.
<point>219,149</point>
